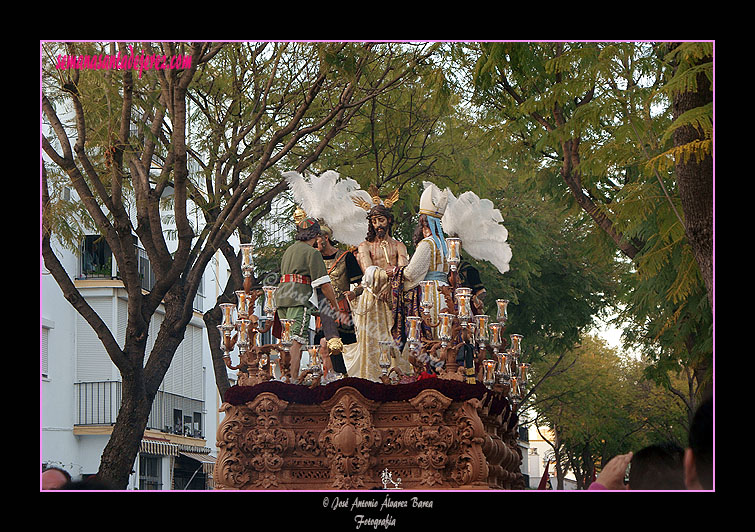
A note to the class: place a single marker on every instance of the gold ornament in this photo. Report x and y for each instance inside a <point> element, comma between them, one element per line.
<point>299,215</point>
<point>335,346</point>
<point>376,199</point>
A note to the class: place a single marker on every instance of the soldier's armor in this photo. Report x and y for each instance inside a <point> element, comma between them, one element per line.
<point>339,278</point>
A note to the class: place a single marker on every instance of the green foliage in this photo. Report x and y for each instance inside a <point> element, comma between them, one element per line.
<point>601,405</point>
<point>615,99</point>
<point>67,218</point>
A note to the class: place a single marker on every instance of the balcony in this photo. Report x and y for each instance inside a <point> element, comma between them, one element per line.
<point>97,262</point>
<point>97,403</point>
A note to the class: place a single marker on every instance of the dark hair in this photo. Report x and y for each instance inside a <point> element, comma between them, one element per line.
<point>62,471</point>
<point>701,442</point>
<point>657,467</point>
<point>418,233</point>
<point>378,210</point>
<point>309,233</point>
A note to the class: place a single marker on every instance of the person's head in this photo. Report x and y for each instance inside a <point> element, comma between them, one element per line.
<point>54,478</point>
<point>698,457</point>
<point>325,238</point>
<point>422,230</point>
<point>657,467</point>
<point>380,223</point>
<point>307,230</point>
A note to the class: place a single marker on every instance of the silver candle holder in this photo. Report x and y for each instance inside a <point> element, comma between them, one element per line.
<point>453,245</point>
<point>464,305</point>
<point>444,327</point>
<point>488,372</point>
<point>242,304</point>
<point>247,264</point>
<point>427,296</point>
<point>495,336</point>
<point>502,368</point>
<point>269,305</point>
<point>315,361</point>
<point>481,329</point>
<point>502,310</point>
<point>413,337</point>
<point>385,360</point>
<point>286,340</point>
<point>516,344</point>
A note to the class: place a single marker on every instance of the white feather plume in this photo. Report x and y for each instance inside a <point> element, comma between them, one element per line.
<point>480,226</point>
<point>328,198</point>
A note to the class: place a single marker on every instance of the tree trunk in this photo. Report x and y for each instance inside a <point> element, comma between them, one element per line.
<point>695,182</point>
<point>694,178</point>
<point>119,454</point>
<point>212,319</point>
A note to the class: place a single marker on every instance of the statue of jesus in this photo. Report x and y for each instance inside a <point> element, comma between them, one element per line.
<point>379,247</point>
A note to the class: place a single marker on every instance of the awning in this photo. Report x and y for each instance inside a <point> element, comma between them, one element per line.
<point>164,448</point>
<point>207,461</point>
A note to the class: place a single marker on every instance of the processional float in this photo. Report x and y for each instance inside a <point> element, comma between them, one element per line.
<point>301,432</point>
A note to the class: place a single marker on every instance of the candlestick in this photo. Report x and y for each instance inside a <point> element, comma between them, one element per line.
<point>453,245</point>
<point>413,336</point>
<point>464,310</point>
<point>481,333</point>
<point>502,315</point>
<point>285,340</point>
<point>444,328</point>
<point>242,326</point>
<point>488,367</point>
<point>242,304</point>
<point>246,259</point>
<point>516,343</point>
<point>427,295</point>
<point>385,360</point>
<point>227,309</point>
<point>495,336</point>
<point>503,368</point>
<point>315,362</point>
<point>269,307</point>
<point>523,367</point>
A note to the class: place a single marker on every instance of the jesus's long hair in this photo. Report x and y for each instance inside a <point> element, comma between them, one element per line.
<point>379,210</point>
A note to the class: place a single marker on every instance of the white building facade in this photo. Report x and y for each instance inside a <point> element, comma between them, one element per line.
<point>80,387</point>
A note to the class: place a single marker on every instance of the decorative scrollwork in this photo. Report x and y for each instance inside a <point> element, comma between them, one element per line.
<point>471,467</point>
<point>349,439</point>
<point>429,441</point>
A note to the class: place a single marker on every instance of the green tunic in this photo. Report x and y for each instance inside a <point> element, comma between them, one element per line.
<point>302,259</point>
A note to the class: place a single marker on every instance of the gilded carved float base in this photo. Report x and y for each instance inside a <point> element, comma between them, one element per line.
<point>348,434</point>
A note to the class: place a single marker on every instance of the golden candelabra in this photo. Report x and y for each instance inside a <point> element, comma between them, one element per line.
<point>241,329</point>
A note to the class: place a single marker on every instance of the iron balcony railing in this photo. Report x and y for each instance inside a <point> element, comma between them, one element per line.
<point>97,403</point>
<point>97,262</point>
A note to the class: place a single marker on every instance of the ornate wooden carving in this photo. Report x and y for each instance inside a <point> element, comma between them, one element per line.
<point>348,442</point>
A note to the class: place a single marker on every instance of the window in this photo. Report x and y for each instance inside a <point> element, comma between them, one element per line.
<point>43,348</point>
<point>197,428</point>
<point>96,257</point>
<point>149,472</point>
<point>177,422</point>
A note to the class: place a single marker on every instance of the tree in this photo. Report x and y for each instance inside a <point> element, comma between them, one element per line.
<point>600,405</point>
<point>591,124</point>
<point>349,76</point>
<point>429,131</point>
<point>691,90</point>
<point>127,122</point>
